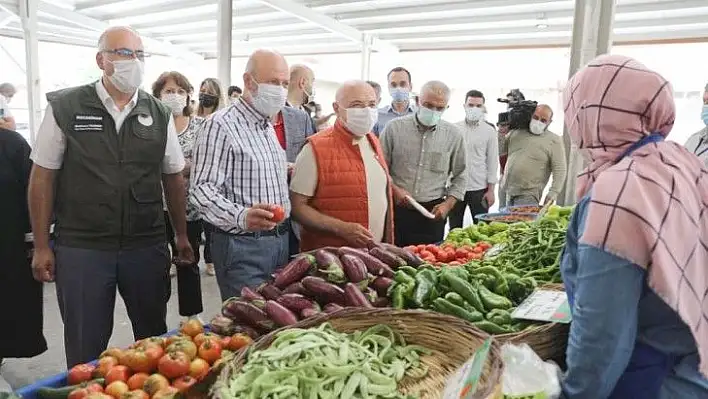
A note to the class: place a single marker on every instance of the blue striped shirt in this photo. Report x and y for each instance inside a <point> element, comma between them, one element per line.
<point>237,163</point>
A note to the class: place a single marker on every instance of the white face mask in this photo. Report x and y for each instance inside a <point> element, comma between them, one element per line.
<point>537,127</point>
<point>269,99</point>
<point>360,121</point>
<point>127,75</point>
<point>474,114</point>
<point>175,102</point>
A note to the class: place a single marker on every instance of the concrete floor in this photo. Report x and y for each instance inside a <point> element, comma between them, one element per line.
<point>20,372</point>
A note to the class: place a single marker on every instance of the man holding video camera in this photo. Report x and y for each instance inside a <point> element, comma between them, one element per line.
<point>534,154</point>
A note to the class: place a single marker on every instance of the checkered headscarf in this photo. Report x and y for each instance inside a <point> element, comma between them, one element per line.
<point>650,207</point>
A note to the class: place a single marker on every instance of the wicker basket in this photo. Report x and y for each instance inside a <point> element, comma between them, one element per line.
<point>548,340</point>
<point>451,340</point>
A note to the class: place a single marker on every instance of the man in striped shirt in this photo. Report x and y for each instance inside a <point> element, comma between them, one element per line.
<point>240,179</point>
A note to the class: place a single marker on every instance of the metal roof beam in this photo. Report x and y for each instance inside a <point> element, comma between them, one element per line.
<point>97,26</point>
<point>87,5</point>
<point>152,8</point>
<point>326,22</point>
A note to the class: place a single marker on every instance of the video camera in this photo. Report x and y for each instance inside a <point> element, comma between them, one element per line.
<point>519,110</point>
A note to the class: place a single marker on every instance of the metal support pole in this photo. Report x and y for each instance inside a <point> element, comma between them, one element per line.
<point>592,36</point>
<point>224,31</point>
<point>366,44</point>
<point>28,16</point>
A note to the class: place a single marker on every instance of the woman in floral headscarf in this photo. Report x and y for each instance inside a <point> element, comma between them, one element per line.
<point>635,265</point>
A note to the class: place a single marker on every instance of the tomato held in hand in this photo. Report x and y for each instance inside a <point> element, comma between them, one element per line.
<point>80,373</point>
<point>278,214</point>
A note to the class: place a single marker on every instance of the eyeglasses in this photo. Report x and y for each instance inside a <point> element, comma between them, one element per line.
<point>128,53</point>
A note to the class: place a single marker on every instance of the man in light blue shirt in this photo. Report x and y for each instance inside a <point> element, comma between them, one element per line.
<point>399,87</point>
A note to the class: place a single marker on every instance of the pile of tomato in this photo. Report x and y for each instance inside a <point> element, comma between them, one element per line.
<point>156,367</point>
<point>447,254</point>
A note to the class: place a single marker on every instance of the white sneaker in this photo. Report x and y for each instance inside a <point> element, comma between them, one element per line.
<point>173,270</point>
<point>195,317</point>
<point>210,269</point>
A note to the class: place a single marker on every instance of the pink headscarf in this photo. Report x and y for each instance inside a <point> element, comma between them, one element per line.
<point>651,206</point>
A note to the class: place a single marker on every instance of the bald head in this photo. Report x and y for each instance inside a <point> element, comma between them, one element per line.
<point>353,94</point>
<point>115,36</point>
<point>301,87</point>
<point>543,113</point>
<point>7,90</point>
<point>264,66</point>
<point>120,44</point>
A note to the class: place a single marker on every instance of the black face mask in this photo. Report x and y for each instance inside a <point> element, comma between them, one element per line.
<point>207,100</point>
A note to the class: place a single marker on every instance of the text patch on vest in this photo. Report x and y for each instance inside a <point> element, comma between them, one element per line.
<point>88,123</point>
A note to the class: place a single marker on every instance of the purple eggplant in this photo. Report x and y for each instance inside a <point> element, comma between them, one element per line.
<point>222,325</point>
<point>323,291</point>
<point>373,265</point>
<point>269,291</point>
<point>244,329</point>
<point>332,307</point>
<point>294,271</point>
<point>228,309</point>
<point>409,257</point>
<point>381,285</point>
<point>296,288</point>
<point>387,257</point>
<point>309,312</point>
<point>354,297</point>
<point>329,264</point>
<point>297,302</point>
<point>250,314</point>
<point>382,302</point>
<point>281,315</point>
<point>250,295</point>
<point>354,268</point>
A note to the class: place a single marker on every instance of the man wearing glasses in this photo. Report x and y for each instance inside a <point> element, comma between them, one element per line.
<point>103,153</point>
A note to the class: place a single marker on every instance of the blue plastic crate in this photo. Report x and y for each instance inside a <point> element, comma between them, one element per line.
<point>490,217</point>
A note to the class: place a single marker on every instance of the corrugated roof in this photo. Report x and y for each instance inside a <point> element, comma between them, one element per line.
<point>187,27</point>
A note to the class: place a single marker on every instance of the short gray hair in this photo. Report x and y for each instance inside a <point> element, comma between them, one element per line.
<point>437,87</point>
<point>102,38</point>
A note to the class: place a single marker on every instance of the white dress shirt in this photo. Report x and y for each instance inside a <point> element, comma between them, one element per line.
<point>48,151</point>
<point>482,146</point>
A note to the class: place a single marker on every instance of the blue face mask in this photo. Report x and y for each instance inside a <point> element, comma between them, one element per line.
<point>399,95</point>
<point>704,115</point>
<point>428,117</point>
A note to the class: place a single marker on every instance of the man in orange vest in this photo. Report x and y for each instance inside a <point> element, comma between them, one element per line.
<point>340,189</point>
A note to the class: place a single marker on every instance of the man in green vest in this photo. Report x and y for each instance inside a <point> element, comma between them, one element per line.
<point>103,153</point>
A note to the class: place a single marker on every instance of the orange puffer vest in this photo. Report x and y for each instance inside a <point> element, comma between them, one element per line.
<point>341,185</point>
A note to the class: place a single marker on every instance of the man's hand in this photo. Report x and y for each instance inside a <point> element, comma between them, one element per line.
<point>185,254</point>
<point>489,196</point>
<point>356,235</point>
<point>399,197</point>
<point>441,210</point>
<point>259,217</point>
<point>43,265</point>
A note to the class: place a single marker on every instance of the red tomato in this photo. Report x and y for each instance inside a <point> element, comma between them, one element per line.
<point>154,383</point>
<point>117,389</point>
<point>476,256</point>
<point>184,383</point>
<point>137,360</point>
<point>189,348</point>
<point>199,368</point>
<point>135,394</point>
<point>105,364</point>
<point>204,336</point>
<point>173,365</point>
<point>118,373</point>
<point>429,259</point>
<point>461,253</point>
<point>192,327</point>
<point>210,351</point>
<point>238,341</point>
<point>137,381</point>
<point>278,214</point>
<point>420,247</point>
<point>80,373</point>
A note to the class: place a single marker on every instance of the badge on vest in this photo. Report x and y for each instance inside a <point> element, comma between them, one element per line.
<point>145,120</point>
<point>88,123</point>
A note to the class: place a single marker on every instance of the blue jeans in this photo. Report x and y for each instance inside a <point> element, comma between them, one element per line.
<point>241,261</point>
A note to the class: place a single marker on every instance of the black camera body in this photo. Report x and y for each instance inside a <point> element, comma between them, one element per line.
<point>519,110</point>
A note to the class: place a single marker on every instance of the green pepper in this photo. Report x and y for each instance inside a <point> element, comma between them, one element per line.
<point>464,289</point>
<point>424,283</point>
<point>403,278</point>
<point>408,270</point>
<point>491,328</point>
<point>492,300</point>
<point>499,316</point>
<point>455,298</point>
<point>460,272</point>
<point>447,307</point>
<point>433,294</point>
<point>398,298</point>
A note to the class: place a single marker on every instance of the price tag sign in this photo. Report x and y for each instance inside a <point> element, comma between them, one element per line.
<point>544,305</point>
<point>463,384</point>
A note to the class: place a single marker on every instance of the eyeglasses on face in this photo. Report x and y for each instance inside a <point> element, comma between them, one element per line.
<point>128,53</point>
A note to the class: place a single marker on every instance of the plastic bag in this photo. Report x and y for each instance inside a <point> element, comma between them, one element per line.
<point>527,376</point>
